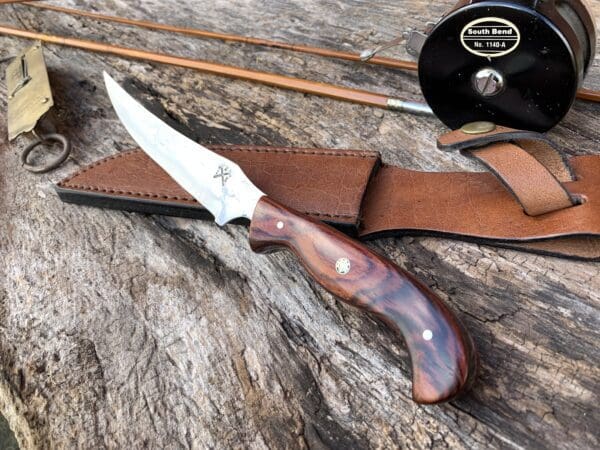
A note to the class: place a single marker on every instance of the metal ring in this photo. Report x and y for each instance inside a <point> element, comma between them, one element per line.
<point>46,139</point>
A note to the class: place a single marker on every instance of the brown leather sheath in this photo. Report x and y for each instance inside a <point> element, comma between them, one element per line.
<point>533,199</point>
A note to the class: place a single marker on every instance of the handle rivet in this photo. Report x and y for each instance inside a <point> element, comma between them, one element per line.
<point>427,335</point>
<point>280,225</point>
<point>343,266</point>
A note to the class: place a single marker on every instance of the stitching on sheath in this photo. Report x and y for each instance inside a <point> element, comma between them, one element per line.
<point>362,154</point>
<point>341,216</point>
<point>251,149</point>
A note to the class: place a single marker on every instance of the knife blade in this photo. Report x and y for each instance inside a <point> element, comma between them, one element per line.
<point>442,353</point>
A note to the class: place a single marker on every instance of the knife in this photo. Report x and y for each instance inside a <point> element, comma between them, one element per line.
<point>442,353</point>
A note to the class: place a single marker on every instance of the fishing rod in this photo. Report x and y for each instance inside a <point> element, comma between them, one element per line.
<point>589,95</point>
<point>582,94</point>
<point>492,92</point>
<point>6,2</point>
<point>281,81</point>
<point>380,61</point>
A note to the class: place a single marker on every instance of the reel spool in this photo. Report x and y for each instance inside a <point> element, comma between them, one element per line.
<point>516,63</point>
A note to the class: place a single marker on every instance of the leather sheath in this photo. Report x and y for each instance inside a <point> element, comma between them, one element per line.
<point>533,199</point>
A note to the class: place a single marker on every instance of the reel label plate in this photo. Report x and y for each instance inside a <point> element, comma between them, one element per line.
<point>490,37</point>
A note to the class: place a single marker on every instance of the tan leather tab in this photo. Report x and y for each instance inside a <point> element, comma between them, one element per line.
<point>537,144</point>
<point>326,184</point>
<point>550,157</point>
<point>527,163</point>
<point>536,189</point>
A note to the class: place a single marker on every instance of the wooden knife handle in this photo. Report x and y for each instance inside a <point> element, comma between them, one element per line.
<point>443,356</point>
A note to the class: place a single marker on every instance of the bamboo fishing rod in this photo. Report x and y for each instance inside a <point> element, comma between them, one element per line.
<point>582,94</point>
<point>380,61</point>
<point>589,95</point>
<point>281,81</point>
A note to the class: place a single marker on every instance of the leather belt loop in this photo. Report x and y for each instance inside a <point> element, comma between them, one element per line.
<point>526,163</point>
<point>538,191</point>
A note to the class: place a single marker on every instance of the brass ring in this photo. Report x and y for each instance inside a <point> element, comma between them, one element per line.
<point>46,139</point>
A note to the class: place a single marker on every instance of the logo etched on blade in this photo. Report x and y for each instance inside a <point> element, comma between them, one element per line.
<point>217,183</point>
<point>224,173</point>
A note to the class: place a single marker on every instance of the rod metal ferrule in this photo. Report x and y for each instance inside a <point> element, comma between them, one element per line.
<point>420,109</point>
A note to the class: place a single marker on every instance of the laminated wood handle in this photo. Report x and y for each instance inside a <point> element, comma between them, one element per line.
<point>442,353</point>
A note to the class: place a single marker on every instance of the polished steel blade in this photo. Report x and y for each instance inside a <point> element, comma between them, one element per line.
<point>217,183</point>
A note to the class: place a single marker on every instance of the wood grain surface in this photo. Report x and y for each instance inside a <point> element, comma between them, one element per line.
<point>122,330</point>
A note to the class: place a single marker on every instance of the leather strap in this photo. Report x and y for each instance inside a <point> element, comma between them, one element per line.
<point>529,166</point>
<point>533,185</point>
<point>353,191</point>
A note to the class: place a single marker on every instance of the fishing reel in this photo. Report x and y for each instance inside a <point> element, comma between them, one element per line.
<point>516,63</point>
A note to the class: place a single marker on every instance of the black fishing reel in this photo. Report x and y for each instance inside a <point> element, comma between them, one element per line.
<point>516,63</point>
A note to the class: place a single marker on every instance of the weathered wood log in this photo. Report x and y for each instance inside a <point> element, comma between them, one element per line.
<point>122,330</point>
